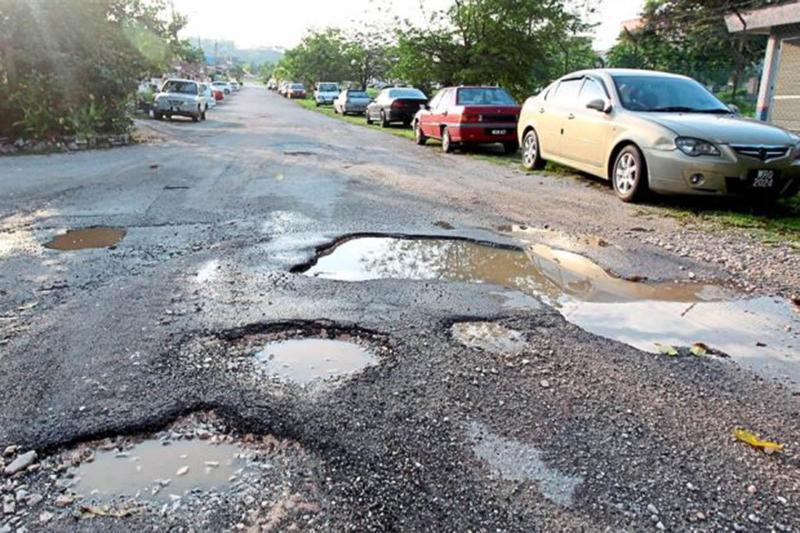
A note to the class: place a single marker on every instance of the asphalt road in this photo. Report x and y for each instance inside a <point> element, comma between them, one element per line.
<point>562,431</point>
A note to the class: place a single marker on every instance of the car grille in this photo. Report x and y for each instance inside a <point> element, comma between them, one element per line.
<point>176,103</point>
<point>764,153</point>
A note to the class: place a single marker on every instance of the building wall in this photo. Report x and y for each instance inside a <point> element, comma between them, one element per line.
<point>785,110</point>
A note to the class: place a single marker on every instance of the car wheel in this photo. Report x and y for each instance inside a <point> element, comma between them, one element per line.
<point>447,143</point>
<point>510,147</point>
<point>531,157</point>
<point>384,121</point>
<point>419,137</point>
<point>630,175</point>
<point>157,115</point>
<point>369,118</point>
<point>203,114</point>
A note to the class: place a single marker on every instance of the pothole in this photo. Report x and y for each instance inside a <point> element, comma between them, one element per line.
<point>490,337</point>
<point>160,470</point>
<point>81,239</point>
<point>518,461</point>
<point>195,472</point>
<point>304,361</point>
<point>760,332</point>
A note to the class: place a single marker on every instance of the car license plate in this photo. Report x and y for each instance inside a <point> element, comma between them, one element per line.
<point>499,132</point>
<point>764,179</point>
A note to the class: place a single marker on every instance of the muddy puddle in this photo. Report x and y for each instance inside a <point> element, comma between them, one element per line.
<point>305,361</point>
<point>490,337</point>
<point>81,239</point>
<point>762,333</point>
<point>152,470</point>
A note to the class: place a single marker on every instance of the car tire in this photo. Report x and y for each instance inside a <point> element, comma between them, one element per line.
<point>369,118</point>
<point>447,142</point>
<point>531,154</point>
<point>419,137</point>
<point>510,148</point>
<point>629,175</point>
<point>203,114</point>
<point>384,121</point>
<point>157,115</point>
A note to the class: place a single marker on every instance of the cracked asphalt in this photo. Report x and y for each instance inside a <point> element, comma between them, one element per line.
<point>571,432</point>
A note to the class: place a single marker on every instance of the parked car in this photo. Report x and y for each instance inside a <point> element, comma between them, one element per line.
<point>325,93</point>
<point>234,85</point>
<point>224,86</point>
<point>218,95</point>
<point>207,95</point>
<point>468,116</point>
<point>272,85</point>
<point>351,101</point>
<point>179,97</point>
<point>296,90</point>
<point>398,104</point>
<point>645,130</point>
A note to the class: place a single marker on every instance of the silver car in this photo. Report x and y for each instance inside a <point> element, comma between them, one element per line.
<point>181,98</point>
<point>353,101</point>
<point>647,130</point>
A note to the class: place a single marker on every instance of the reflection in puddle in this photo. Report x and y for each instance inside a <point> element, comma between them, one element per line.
<point>490,337</point>
<point>639,314</point>
<point>303,361</point>
<point>517,461</point>
<point>81,239</point>
<point>152,471</point>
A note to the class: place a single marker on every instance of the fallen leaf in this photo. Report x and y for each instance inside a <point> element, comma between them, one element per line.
<point>667,349</point>
<point>753,440</point>
<point>93,511</point>
<point>699,349</point>
<point>182,471</point>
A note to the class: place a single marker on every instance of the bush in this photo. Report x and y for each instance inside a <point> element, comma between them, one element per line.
<point>66,68</point>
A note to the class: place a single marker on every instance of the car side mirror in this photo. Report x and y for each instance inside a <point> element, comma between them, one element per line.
<point>599,105</point>
<point>734,109</point>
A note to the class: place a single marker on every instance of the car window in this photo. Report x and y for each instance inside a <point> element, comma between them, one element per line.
<point>567,92</point>
<point>436,99</point>
<point>666,94</point>
<point>182,87</point>
<point>484,96</point>
<point>328,87</point>
<point>406,93</point>
<point>357,94</point>
<point>297,86</point>
<point>591,90</point>
<point>444,101</point>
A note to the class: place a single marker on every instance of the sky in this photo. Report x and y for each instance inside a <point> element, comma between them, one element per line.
<point>259,23</point>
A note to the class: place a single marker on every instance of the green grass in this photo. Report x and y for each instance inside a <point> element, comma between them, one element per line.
<point>356,119</point>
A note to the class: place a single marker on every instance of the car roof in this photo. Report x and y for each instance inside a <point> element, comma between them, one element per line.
<point>181,80</point>
<point>623,72</point>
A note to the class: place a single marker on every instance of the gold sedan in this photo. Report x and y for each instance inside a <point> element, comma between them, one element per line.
<point>647,130</point>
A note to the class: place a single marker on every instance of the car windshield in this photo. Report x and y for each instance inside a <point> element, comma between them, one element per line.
<point>357,94</point>
<point>407,93</point>
<point>484,96</point>
<point>297,86</point>
<point>219,83</point>
<point>183,87</point>
<point>328,87</point>
<point>666,94</point>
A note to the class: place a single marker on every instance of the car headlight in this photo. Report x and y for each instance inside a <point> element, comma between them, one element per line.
<point>797,151</point>
<point>696,147</point>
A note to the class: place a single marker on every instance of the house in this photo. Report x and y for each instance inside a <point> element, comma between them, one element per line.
<point>779,91</point>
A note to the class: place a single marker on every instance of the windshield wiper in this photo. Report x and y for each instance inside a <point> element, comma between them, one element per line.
<point>674,109</point>
<point>715,111</point>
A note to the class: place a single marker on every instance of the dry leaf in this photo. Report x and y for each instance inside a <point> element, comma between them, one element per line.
<point>667,349</point>
<point>753,440</point>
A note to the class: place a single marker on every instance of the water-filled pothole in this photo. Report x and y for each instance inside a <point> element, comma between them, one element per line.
<point>152,470</point>
<point>762,332</point>
<point>81,239</point>
<point>490,337</point>
<point>304,361</point>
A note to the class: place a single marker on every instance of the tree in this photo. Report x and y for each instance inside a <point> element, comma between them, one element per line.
<point>521,44</point>
<point>690,37</point>
<point>321,56</point>
<point>369,53</point>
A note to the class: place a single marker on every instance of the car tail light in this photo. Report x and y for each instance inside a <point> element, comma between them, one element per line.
<point>397,105</point>
<point>471,117</point>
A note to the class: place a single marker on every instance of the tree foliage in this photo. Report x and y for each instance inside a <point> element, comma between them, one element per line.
<point>690,37</point>
<point>520,44</point>
<point>71,66</point>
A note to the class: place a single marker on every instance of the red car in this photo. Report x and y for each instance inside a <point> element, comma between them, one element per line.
<point>218,95</point>
<point>296,90</point>
<point>469,115</point>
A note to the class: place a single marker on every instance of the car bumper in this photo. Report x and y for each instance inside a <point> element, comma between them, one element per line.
<point>182,110</point>
<point>324,100</point>
<point>483,133</point>
<point>671,171</point>
<point>351,108</point>
<point>405,116</point>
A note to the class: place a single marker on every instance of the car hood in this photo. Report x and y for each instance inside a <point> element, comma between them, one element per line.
<point>721,129</point>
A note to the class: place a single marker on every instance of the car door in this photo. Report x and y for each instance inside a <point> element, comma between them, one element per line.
<point>553,114</point>
<point>439,113</point>
<point>426,115</point>
<point>379,103</point>
<point>586,131</point>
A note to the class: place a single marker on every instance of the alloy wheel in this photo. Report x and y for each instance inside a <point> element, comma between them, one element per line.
<point>626,173</point>
<point>530,150</point>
